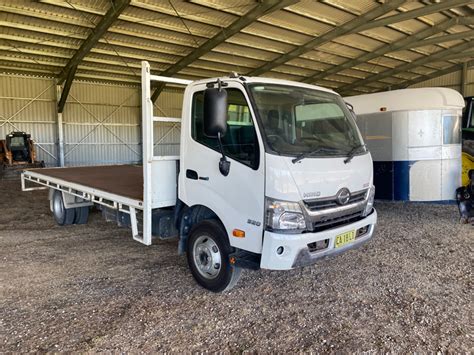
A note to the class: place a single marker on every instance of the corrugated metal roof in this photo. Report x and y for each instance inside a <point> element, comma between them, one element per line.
<point>325,13</point>
<point>270,45</point>
<point>364,43</point>
<point>297,22</point>
<point>40,38</point>
<point>266,30</point>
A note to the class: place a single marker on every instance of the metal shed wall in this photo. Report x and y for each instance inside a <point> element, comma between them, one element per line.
<point>29,104</point>
<point>101,122</point>
<point>102,125</point>
<point>452,80</point>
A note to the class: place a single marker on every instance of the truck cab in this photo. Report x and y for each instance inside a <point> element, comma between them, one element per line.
<point>298,184</point>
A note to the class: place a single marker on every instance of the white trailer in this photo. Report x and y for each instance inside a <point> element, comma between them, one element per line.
<point>271,174</point>
<point>414,136</point>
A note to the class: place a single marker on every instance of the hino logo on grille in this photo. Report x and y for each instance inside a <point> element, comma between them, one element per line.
<point>343,196</point>
<point>311,194</point>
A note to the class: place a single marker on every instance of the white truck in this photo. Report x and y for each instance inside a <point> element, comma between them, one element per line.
<point>271,174</point>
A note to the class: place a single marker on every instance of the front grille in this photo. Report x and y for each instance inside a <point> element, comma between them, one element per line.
<point>337,221</point>
<point>330,202</point>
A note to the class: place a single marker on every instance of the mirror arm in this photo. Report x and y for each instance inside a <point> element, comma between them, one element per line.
<point>221,148</point>
<point>220,84</point>
<point>224,164</point>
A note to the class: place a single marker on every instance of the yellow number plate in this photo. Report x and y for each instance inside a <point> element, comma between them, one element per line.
<point>344,238</point>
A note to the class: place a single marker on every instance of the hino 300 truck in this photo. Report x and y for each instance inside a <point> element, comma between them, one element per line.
<point>271,174</point>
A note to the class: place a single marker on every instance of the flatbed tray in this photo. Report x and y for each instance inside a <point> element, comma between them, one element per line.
<point>122,180</point>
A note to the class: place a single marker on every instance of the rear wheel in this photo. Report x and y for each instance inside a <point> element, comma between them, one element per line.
<point>208,257</point>
<point>62,215</point>
<point>81,215</point>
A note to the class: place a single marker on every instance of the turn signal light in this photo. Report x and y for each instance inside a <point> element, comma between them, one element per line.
<point>238,233</point>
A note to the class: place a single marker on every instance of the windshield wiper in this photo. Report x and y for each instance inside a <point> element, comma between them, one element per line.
<point>353,152</point>
<point>312,152</point>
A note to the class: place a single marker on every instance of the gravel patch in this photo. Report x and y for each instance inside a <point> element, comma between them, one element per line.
<point>92,288</point>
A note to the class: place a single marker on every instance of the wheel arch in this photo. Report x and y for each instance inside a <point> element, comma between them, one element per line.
<point>188,216</point>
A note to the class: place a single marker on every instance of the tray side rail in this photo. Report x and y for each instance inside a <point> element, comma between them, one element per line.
<point>86,193</point>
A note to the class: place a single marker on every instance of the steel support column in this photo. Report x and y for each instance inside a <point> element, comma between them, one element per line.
<point>464,79</point>
<point>66,88</point>
<point>109,18</point>
<point>59,121</point>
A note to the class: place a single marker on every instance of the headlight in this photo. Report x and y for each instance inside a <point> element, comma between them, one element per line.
<point>370,201</point>
<point>283,215</point>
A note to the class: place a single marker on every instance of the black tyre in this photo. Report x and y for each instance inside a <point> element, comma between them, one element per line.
<point>81,215</point>
<point>208,252</point>
<point>62,215</point>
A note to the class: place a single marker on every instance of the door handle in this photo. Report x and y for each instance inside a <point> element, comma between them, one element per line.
<point>193,175</point>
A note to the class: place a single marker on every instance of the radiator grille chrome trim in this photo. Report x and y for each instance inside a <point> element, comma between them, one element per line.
<point>325,213</point>
<point>330,202</point>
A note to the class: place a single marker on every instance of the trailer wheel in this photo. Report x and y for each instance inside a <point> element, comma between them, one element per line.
<point>208,252</point>
<point>81,215</point>
<point>62,215</point>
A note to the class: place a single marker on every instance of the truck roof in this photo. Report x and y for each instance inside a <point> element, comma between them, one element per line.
<point>263,80</point>
<point>407,100</point>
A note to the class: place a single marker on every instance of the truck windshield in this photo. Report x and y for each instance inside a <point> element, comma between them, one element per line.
<point>299,120</point>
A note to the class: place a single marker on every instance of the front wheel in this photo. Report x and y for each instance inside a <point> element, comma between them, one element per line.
<point>208,257</point>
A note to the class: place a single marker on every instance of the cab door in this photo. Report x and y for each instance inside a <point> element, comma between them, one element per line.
<point>238,198</point>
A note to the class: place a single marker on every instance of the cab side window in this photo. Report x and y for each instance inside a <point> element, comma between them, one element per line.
<point>240,141</point>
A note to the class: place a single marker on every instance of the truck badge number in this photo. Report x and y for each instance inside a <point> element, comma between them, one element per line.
<point>254,223</point>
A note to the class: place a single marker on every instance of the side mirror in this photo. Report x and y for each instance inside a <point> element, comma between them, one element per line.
<point>215,121</point>
<point>215,112</point>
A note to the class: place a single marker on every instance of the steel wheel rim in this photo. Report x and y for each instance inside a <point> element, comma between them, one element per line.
<point>207,257</point>
<point>58,207</point>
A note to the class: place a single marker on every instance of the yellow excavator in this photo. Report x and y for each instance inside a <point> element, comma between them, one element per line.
<point>17,152</point>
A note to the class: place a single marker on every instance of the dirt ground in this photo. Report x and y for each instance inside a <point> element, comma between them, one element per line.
<point>92,288</point>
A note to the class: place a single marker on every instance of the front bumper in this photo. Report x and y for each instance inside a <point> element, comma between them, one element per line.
<point>296,251</point>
